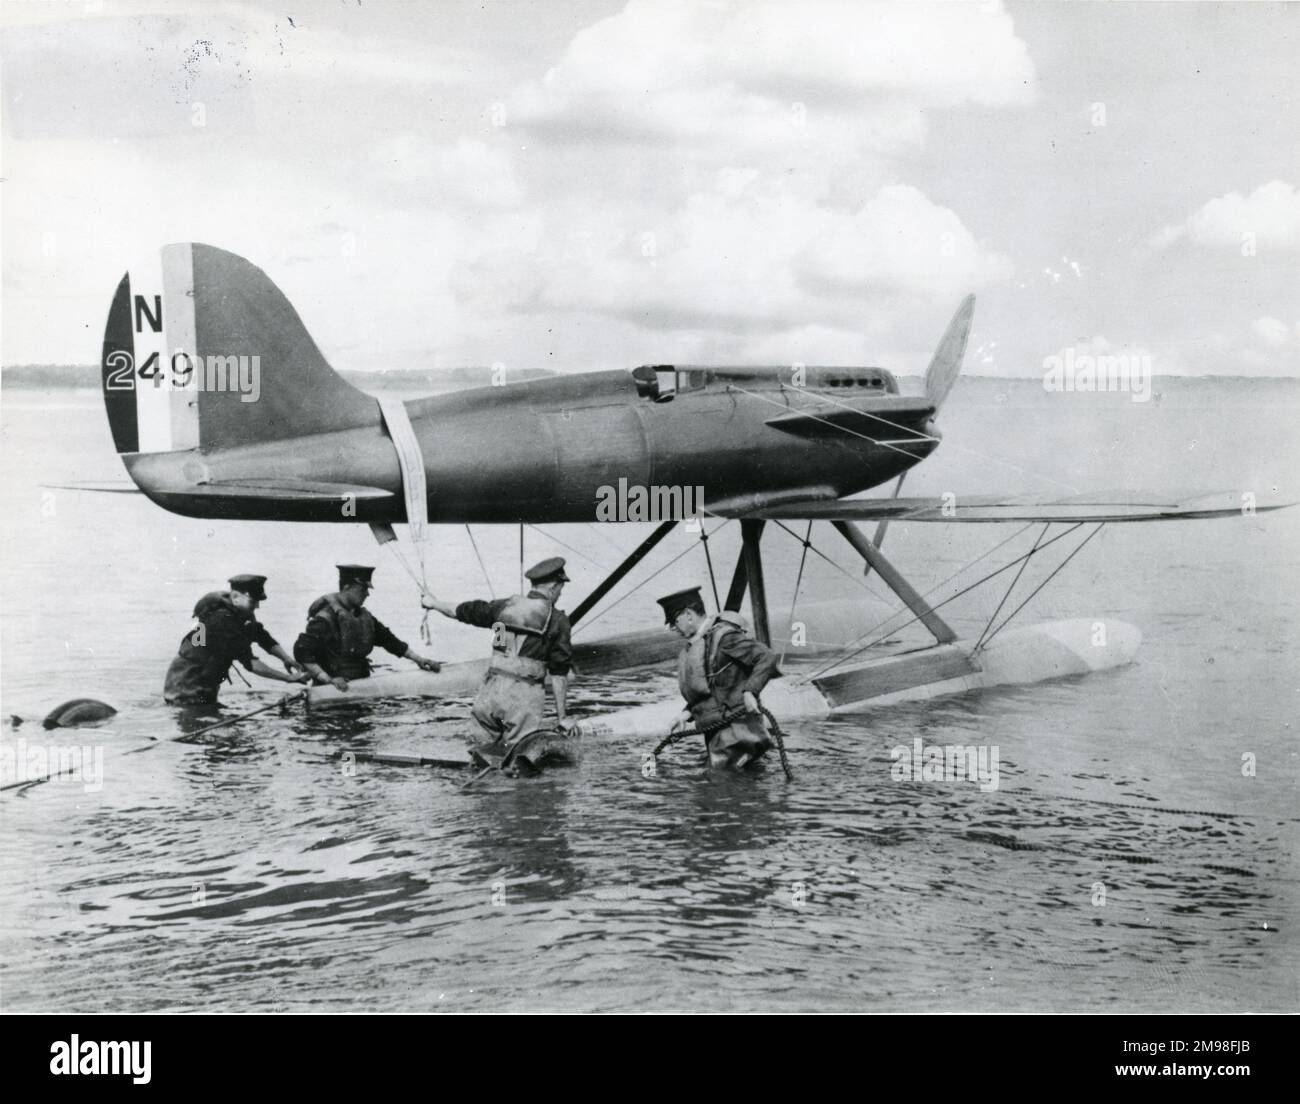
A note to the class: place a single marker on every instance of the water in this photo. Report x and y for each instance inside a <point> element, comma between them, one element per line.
<point>1124,862</point>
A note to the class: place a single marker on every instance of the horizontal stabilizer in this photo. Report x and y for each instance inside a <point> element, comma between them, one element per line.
<point>1121,506</point>
<point>98,486</point>
<point>270,490</point>
<point>286,490</point>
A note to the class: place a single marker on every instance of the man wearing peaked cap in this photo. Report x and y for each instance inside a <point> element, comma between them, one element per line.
<point>530,640</point>
<point>341,633</point>
<point>358,574</point>
<point>546,571</point>
<point>720,673</point>
<point>225,634</point>
<point>679,600</point>
<point>252,585</point>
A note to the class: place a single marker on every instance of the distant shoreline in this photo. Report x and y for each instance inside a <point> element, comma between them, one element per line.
<point>45,377</point>
<point>85,377</point>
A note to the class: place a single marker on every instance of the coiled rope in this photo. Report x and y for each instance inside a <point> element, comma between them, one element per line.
<point>729,718</point>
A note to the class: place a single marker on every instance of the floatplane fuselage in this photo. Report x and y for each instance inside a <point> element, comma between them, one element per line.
<point>222,406</point>
<point>542,450</point>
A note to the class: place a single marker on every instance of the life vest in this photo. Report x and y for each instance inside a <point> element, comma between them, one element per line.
<point>215,600</point>
<point>197,671</point>
<point>354,631</point>
<point>520,619</point>
<point>698,667</point>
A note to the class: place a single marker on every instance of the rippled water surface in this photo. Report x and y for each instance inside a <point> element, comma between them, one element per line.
<point>1124,862</point>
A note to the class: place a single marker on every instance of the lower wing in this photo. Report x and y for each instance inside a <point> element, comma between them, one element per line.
<point>1096,506</point>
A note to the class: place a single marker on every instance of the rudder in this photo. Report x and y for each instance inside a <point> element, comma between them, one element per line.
<point>211,354</point>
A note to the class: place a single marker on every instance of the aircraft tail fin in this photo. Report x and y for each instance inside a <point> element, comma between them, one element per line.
<point>209,354</point>
<point>945,365</point>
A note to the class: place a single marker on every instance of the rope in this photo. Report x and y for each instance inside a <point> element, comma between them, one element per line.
<point>1123,805</point>
<point>426,635</point>
<point>780,741</point>
<point>729,718</point>
<point>282,703</point>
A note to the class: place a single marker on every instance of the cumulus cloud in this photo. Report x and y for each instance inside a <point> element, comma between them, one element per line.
<point>736,167</point>
<point>1267,219</point>
<point>898,239</point>
<point>746,257</point>
<point>676,67</point>
<point>1271,332</point>
<point>722,180</point>
<point>468,173</point>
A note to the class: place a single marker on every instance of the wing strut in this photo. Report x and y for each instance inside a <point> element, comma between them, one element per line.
<point>749,576</point>
<point>939,628</point>
<point>751,533</point>
<point>612,580</point>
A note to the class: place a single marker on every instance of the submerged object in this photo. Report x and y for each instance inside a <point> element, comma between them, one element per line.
<point>78,712</point>
<point>544,748</point>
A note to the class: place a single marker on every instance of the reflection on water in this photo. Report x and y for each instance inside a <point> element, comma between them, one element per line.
<point>251,870</point>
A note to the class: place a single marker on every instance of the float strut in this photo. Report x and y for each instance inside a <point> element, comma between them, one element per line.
<point>612,580</point>
<point>749,575</point>
<point>939,629</point>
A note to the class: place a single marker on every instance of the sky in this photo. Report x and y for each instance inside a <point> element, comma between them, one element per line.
<point>588,184</point>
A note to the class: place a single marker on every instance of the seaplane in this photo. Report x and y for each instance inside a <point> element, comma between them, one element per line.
<point>222,406</point>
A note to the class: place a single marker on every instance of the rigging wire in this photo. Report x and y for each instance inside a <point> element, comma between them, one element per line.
<point>939,605</point>
<point>708,559</point>
<point>834,425</point>
<point>568,547</point>
<point>994,615</point>
<point>482,566</point>
<point>922,437</point>
<point>1077,550</point>
<point>939,586</point>
<point>592,620</point>
<point>856,579</point>
<point>794,598</point>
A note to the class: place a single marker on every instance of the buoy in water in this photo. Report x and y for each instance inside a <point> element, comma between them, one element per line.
<point>78,712</point>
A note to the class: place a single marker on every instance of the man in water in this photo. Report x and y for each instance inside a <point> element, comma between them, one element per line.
<point>721,671</point>
<point>341,633</point>
<point>530,639</point>
<point>226,633</point>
